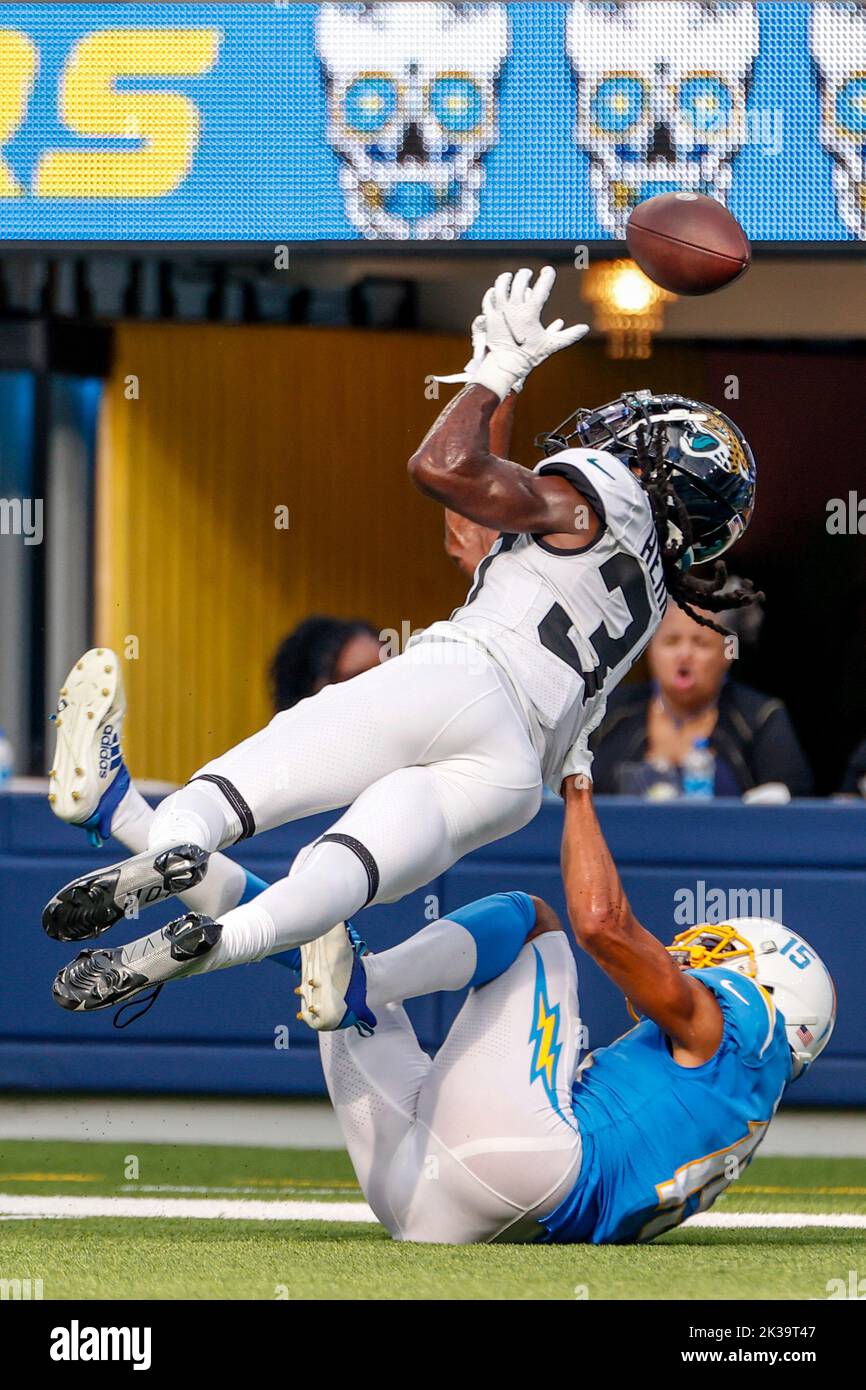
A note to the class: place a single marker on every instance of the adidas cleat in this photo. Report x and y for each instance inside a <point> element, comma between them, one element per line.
<point>89,905</point>
<point>88,778</point>
<point>333,988</point>
<point>97,979</point>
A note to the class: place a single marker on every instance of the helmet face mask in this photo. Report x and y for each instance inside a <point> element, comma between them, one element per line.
<point>786,968</point>
<point>711,466</point>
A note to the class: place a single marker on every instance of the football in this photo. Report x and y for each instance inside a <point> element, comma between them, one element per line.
<point>687,243</point>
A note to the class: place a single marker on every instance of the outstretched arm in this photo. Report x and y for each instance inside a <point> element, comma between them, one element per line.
<point>466,542</point>
<point>607,929</point>
<point>458,464</point>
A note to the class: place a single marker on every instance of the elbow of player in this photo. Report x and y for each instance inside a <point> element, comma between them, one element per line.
<point>422,470</point>
<point>595,924</point>
<point>437,473</point>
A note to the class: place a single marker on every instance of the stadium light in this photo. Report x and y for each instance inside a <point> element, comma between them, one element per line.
<point>629,308</point>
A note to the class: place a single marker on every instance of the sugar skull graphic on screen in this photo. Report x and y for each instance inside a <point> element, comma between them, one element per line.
<point>412,110</point>
<point>661,92</point>
<point>837,39</point>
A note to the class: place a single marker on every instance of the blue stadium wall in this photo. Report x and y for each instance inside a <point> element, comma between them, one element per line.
<point>224,1033</point>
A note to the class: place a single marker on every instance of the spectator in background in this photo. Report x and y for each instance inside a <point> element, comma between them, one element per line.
<point>854,781</point>
<point>650,730</point>
<point>321,651</point>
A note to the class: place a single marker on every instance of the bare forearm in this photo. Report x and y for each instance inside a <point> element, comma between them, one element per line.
<point>605,926</point>
<point>593,887</point>
<point>455,465</point>
<point>458,442</point>
<point>598,909</point>
<point>467,542</point>
<point>502,426</point>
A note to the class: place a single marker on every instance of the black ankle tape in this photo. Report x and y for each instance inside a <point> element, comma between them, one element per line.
<point>365,857</point>
<point>235,800</point>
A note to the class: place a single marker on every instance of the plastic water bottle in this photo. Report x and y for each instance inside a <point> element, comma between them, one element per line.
<point>7,759</point>
<point>699,770</point>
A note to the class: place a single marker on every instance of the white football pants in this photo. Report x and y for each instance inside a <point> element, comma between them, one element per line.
<point>480,1143</point>
<point>432,751</point>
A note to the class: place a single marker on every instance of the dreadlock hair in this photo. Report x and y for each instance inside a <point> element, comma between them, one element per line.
<point>685,589</point>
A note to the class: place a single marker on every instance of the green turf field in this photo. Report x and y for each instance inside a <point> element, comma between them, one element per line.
<point>167,1256</point>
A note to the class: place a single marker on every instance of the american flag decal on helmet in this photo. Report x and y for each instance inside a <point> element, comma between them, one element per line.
<point>804,1035</point>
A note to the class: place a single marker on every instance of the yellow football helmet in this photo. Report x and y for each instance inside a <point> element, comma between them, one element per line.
<point>705,945</point>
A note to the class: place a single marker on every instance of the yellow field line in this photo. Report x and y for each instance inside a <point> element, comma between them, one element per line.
<point>52,1177</point>
<point>278,1184</point>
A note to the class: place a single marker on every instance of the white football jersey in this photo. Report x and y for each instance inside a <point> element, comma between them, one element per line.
<point>566,625</point>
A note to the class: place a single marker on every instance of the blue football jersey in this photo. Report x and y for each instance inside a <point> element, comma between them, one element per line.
<point>661,1141</point>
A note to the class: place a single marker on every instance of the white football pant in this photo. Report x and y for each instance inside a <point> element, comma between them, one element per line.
<point>481,1142</point>
<point>431,749</point>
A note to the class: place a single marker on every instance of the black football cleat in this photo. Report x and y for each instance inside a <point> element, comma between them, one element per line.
<point>99,978</point>
<point>89,905</point>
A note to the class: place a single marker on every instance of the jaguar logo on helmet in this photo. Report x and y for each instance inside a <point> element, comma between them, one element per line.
<point>716,440</point>
<point>713,476</point>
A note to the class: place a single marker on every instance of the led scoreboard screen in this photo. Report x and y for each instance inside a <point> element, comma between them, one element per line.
<point>418,121</point>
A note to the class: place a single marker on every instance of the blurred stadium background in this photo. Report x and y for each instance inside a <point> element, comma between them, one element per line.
<point>166,392</point>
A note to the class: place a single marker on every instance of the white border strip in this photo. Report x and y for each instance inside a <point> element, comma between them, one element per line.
<point>204,1209</point>
<point>778,1220</point>
<point>208,1209</point>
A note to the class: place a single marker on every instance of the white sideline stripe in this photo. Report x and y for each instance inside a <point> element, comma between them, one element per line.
<point>786,1220</point>
<point>203,1210</point>
<point>33,1208</point>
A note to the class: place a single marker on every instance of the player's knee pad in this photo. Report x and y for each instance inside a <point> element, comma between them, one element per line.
<point>361,853</point>
<point>233,799</point>
<point>499,925</point>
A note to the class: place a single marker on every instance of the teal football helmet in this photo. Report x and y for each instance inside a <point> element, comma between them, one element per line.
<point>708,460</point>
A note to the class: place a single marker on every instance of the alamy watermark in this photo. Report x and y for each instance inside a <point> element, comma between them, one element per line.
<point>852,1287</point>
<point>693,906</point>
<point>20,1289</point>
<point>468,655</point>
<point>77,1343</point>
<point>22,516</point>
<point>846,516</point>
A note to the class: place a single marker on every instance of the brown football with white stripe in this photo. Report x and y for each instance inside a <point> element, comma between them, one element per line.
<point>687,243</point>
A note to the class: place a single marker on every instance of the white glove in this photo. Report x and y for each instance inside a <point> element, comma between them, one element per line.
<point>578,759</point>
<point>517,340</point>
<point>479,352</point>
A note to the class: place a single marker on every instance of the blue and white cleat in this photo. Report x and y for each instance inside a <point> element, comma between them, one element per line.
<point>333,988</point>
<point>88,778</point>
<point>86,784</point>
